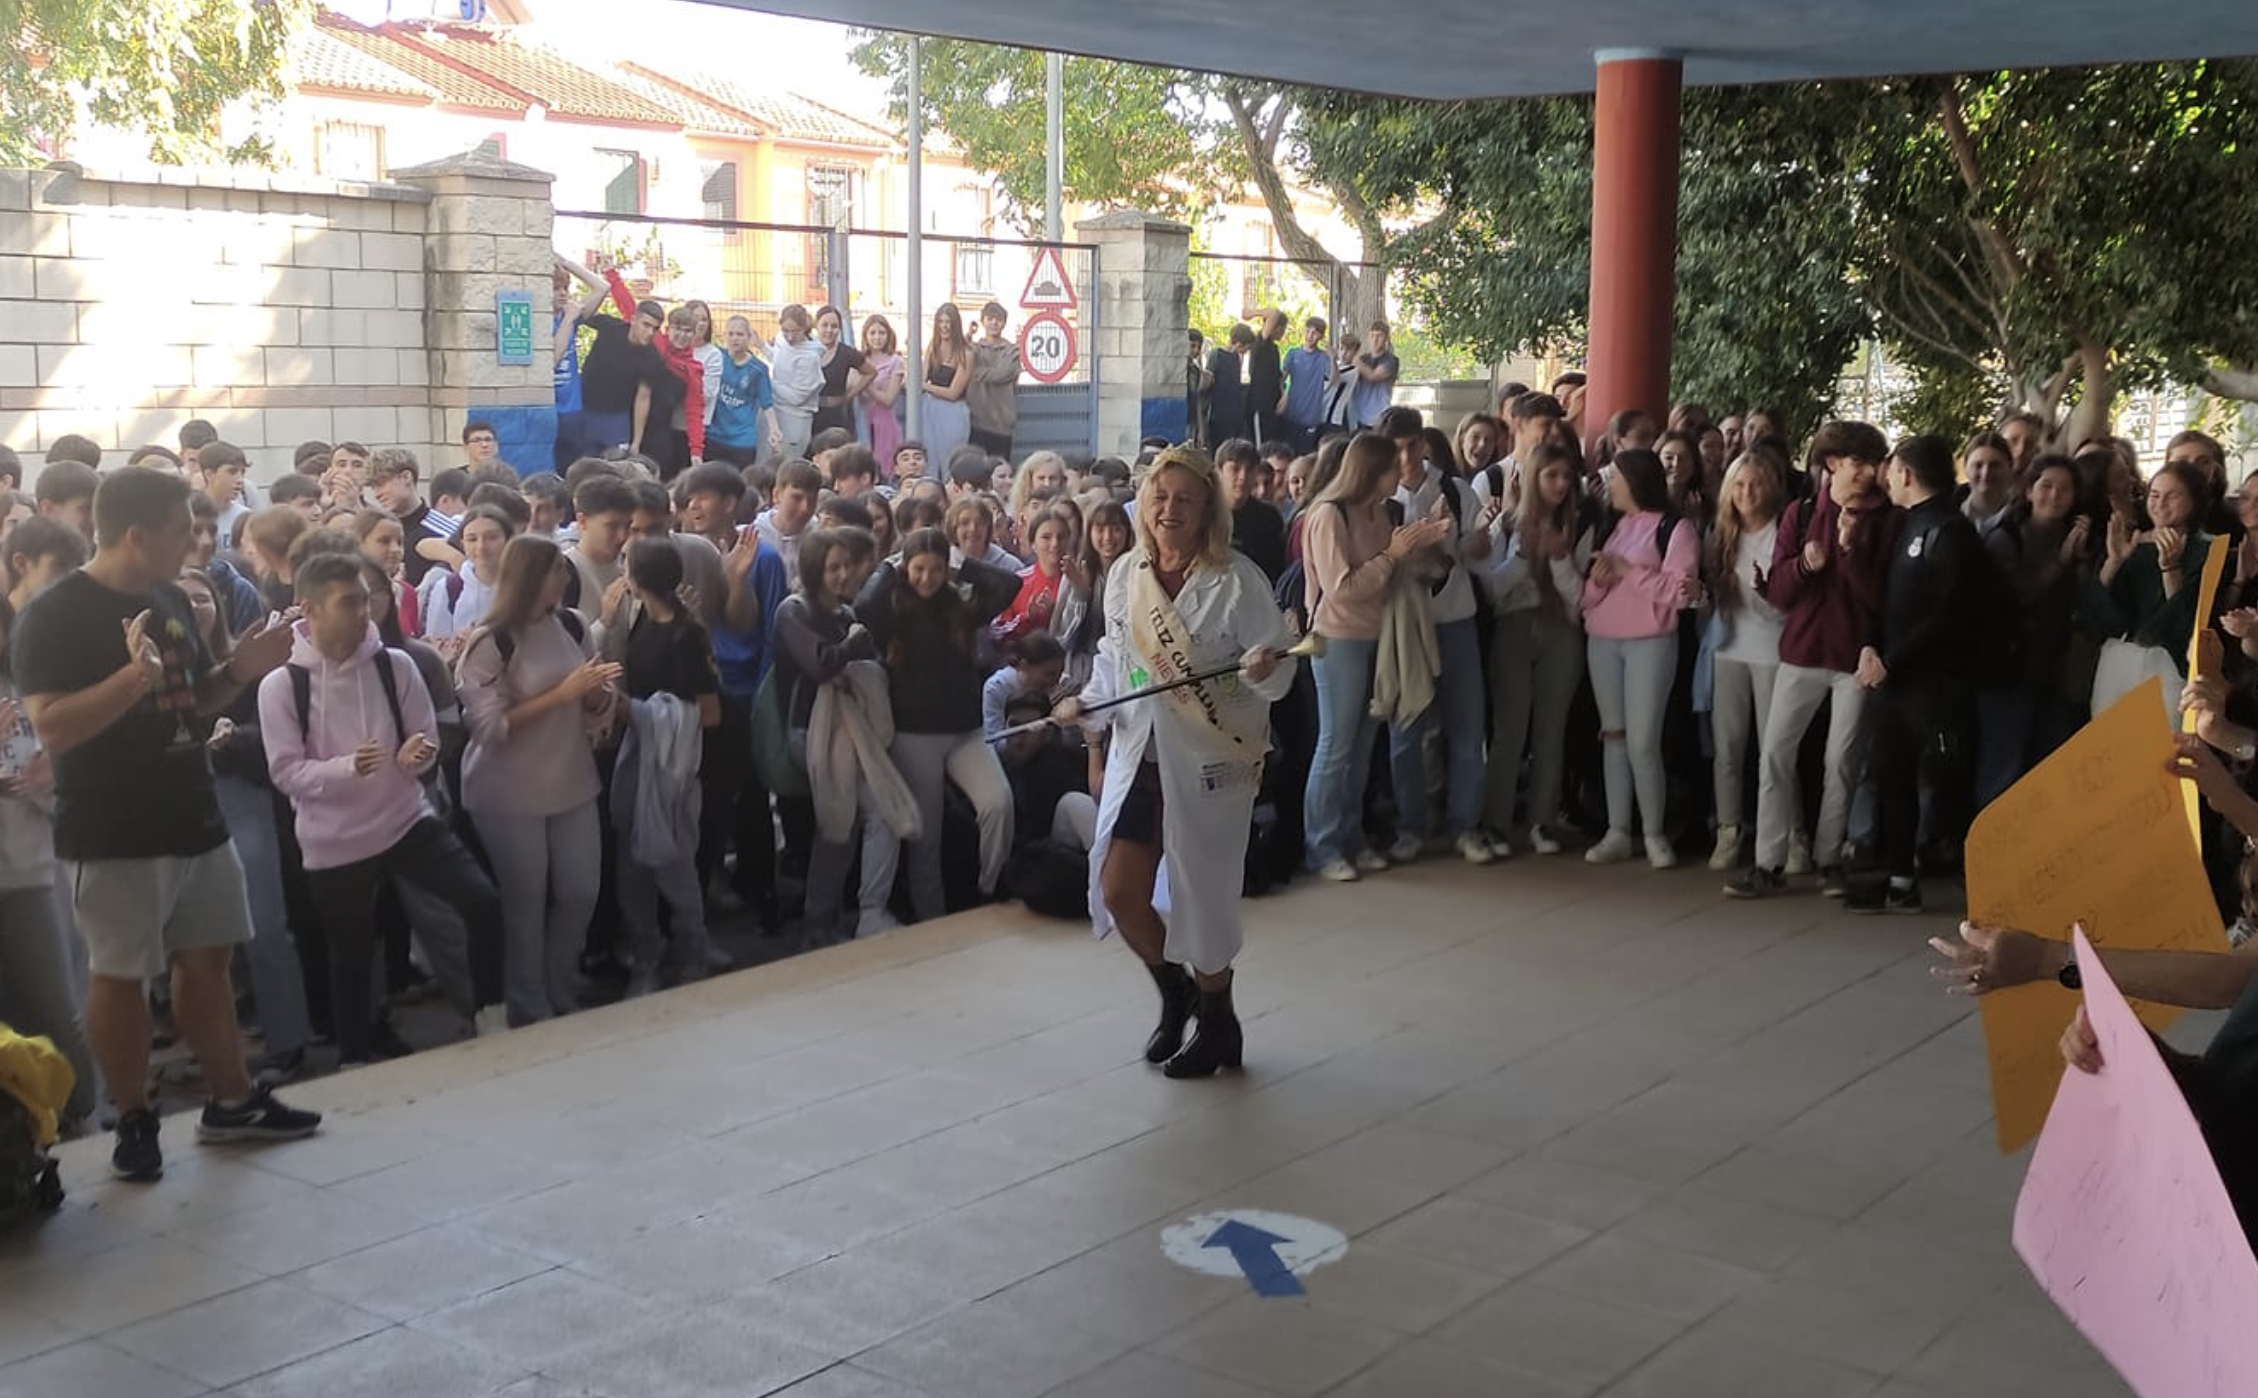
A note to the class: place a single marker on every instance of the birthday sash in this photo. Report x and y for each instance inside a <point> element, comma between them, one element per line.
<point>1218,718</point>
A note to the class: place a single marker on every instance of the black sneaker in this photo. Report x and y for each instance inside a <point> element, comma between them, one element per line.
<point>1884,898</point>
<point>1756,882</point>
<point>261,1118</point>
<point>1832,883</point>
<point>137,1157</point>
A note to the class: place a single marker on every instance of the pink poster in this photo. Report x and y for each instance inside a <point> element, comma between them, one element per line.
<point>2126,1225</point>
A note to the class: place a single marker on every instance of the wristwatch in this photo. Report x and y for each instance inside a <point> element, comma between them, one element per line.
<point>2068,976</point>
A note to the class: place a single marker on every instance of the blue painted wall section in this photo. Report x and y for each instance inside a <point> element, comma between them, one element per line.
<point>1166,417</point>
<point>527,435</point>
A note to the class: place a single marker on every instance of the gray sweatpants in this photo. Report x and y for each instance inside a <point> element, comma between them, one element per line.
<point>549,870</point>
<point>928,762</point>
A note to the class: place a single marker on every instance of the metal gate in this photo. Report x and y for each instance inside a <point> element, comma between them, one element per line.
<point>757,269</point>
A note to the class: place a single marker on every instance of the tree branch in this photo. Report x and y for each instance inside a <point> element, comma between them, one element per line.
<point>2222,382</point>
<point>1260,146</point>
<point>1954,117</point>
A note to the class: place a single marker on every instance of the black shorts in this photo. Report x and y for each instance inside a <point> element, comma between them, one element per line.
<point>1138,820</point>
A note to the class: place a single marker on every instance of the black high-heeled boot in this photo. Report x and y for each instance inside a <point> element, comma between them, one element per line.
<point>1218,1044</point>
<point>1178,995</point>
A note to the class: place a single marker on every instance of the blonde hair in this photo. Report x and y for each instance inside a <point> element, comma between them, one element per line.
<point>1215,534</point>
<point>1725,538</point>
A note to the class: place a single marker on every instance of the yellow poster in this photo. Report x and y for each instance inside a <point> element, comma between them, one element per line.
<point>2093,836</point>
<point>2205,654</point>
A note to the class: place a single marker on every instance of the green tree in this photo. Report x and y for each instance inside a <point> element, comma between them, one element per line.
<point>163,68</point>
<point>1164,140</point>
<point>1765,312</point>
<point>2068,234</point>
<point>1135,136</point>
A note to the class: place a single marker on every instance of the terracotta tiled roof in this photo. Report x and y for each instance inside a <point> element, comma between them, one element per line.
<point>549,78</point>
<point>455,88</point>
<point>789,115</point>
<point>322,58</point>
<point>695,113</point>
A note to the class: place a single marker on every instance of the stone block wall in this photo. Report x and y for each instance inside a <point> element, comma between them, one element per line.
<point>281,308</point>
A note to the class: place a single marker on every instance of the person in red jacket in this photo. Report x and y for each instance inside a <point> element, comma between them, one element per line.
<point>1829,569</point>
<point>683,445</point>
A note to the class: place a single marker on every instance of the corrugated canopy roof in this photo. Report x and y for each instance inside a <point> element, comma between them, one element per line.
<point>1453,49</point>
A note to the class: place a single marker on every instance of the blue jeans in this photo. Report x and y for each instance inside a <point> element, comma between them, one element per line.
<point>1631,685</point>
<point>1458,707</point>
<point>1333,802</point>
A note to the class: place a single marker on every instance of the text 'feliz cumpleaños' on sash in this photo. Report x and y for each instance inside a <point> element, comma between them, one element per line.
<point>1160,650</point>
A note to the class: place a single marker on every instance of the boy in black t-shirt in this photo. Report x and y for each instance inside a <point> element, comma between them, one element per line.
<point>622,379</point>
<point>656,794</point>
<point>113,672</point>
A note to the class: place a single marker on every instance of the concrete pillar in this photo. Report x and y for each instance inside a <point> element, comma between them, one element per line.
<point>1634,234</point>
<point>489,233</point>
<point>1142,317</point>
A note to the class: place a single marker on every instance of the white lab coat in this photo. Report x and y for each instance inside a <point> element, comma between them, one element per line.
<point>1206,805</point>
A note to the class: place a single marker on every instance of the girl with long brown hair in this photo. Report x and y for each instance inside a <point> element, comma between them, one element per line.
<point>947,420</point>
<point>535,698</point>
<point>929,635</point>
<point>1537,643</point>
<point>1350,551</point>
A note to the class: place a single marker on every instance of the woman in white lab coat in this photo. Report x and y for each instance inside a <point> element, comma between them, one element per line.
<point>1183,767</point>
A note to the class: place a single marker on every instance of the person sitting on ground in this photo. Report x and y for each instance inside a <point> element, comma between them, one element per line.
<point>1038,664</point>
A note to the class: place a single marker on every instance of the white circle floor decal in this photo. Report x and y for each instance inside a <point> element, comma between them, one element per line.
<point>1272,1251</point>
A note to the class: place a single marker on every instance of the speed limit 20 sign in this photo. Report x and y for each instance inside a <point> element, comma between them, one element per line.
<point>1046,347</point>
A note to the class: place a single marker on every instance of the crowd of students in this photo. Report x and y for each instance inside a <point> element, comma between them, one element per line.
<point>518,735</point>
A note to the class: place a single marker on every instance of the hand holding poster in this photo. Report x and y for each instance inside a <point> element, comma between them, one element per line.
<point>2095,836</point>
<point>2124,1222</point>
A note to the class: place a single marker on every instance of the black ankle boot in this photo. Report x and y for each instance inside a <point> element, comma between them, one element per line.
<point>1178,995</point>
<point>1216,1045</point>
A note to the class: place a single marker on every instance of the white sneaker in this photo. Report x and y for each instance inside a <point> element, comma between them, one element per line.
<point>1474,849</point>
<point>1541,840</point>
<point>1799,855</point>
<point>1339,871</point>
<point>1371,861</point>
<point>1728,851</point>
<point>491,1020</point>
<point>1659,854</point>
<point>1613,849</point>
<point>1406,850</point>
<point>1500,847</point>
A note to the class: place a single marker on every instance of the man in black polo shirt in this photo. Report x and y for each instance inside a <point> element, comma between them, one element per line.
<point>114,675</point>
<point>1921,667</point>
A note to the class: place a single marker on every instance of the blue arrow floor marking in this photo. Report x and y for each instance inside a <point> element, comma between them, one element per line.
<point>1255,1250</point>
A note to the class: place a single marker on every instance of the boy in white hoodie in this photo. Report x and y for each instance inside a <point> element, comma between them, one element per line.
<point>349,728</point>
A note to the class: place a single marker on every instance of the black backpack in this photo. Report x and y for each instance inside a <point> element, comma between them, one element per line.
<point>1051,877</point>
<point>302,694</point>
<point>30,1185</point>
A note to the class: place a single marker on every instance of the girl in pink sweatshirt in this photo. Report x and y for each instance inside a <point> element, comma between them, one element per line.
<point>1647,569</point>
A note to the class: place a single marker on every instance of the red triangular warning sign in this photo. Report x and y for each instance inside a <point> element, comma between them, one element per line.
<point>1048,286</point>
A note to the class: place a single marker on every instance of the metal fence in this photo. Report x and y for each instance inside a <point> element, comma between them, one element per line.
<point>1225,285</point>
<point>757,269</point>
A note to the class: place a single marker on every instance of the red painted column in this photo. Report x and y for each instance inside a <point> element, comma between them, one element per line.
<point>1634,235</point>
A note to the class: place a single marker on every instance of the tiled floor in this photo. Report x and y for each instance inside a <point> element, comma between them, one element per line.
<point>1588,1132</point>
